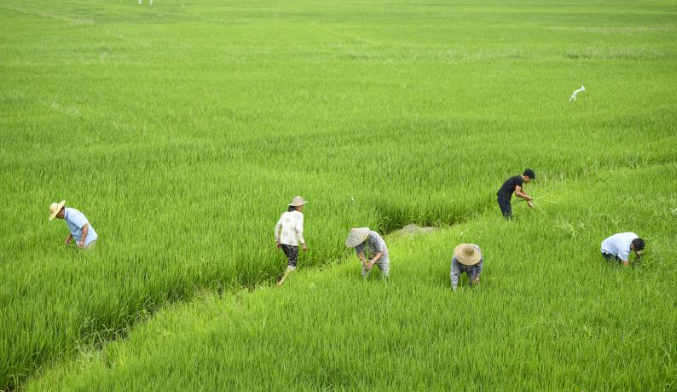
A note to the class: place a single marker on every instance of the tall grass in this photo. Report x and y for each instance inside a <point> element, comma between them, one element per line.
<point>182,130</point>
<point>550,314</point>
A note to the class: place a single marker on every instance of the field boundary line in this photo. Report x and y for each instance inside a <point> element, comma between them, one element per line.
<point>76,21</point>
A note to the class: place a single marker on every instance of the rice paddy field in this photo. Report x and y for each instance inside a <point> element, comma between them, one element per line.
<point>183,128</point>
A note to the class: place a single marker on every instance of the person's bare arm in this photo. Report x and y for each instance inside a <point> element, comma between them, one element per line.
<point>519,192</point>
<point>373,261</point>
<point>624,262</point>
<point>85,231</point>
<point>362,258</point>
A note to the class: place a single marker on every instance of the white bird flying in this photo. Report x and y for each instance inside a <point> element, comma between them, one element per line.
<point>573,96</point>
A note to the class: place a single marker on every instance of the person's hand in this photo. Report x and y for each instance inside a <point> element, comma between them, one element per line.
<point>68,240</point>
<point>530,204</point>
<point>369,265</point>
<point>304,247</point>
<point>277,245</point>
<point>81,244</point>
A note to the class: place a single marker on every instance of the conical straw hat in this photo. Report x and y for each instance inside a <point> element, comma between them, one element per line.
<point>357,236</point>
<point>467,254</point>
<point>297,201</point>
<point>55,208</point>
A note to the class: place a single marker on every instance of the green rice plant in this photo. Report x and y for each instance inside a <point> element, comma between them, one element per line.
<point>550,314</point>
<point>182,130</point>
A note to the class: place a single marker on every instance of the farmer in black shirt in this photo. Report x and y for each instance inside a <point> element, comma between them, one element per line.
<point>514,184</point>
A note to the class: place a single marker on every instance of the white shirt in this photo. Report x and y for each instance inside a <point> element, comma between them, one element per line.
<point>619,245</point>
<point>291,223</point>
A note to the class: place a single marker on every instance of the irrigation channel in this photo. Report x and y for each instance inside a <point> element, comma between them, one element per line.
<point>391,237</point>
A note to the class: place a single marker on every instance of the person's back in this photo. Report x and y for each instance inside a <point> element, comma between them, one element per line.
<point>508,187</point>
<point>75,220</point>
<point>373,245</point>
<point>291,224</point>
<point>618,246</point>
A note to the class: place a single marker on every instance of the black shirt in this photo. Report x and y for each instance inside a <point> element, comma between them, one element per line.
<point>509,186</point>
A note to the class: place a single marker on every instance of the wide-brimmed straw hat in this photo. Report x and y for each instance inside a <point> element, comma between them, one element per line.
<point>55,208</point>
<point>467,254</point>
<point>357,236</point>
<point>297,201</point>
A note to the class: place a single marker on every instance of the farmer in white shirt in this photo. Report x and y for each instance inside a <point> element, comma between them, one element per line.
<point>80,230</point>
<point>618,247</point>
<point>289,233</point>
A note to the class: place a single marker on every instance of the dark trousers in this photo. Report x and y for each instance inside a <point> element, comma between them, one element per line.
<point>506,208</point>
<point>611,258</point>
<point>292,253</point>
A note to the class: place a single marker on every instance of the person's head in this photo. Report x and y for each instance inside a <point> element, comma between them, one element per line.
<point>637,245</point>
<point>57,210</point>
<point>357,236</point>
<point>297,204</point>
<point>528,175</point>
<point>466,254</point>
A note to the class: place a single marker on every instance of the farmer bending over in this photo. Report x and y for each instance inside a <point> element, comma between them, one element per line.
<point>514,184</point>
<point>370,249</point>
<point>618,247</point>
<point>77,223</point>
<point>467,258</point>
<point>291,226</point>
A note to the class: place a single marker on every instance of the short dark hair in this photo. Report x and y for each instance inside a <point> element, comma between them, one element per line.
<point>638,243</point>
<point>529,173</point>
<point>291,208</point>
